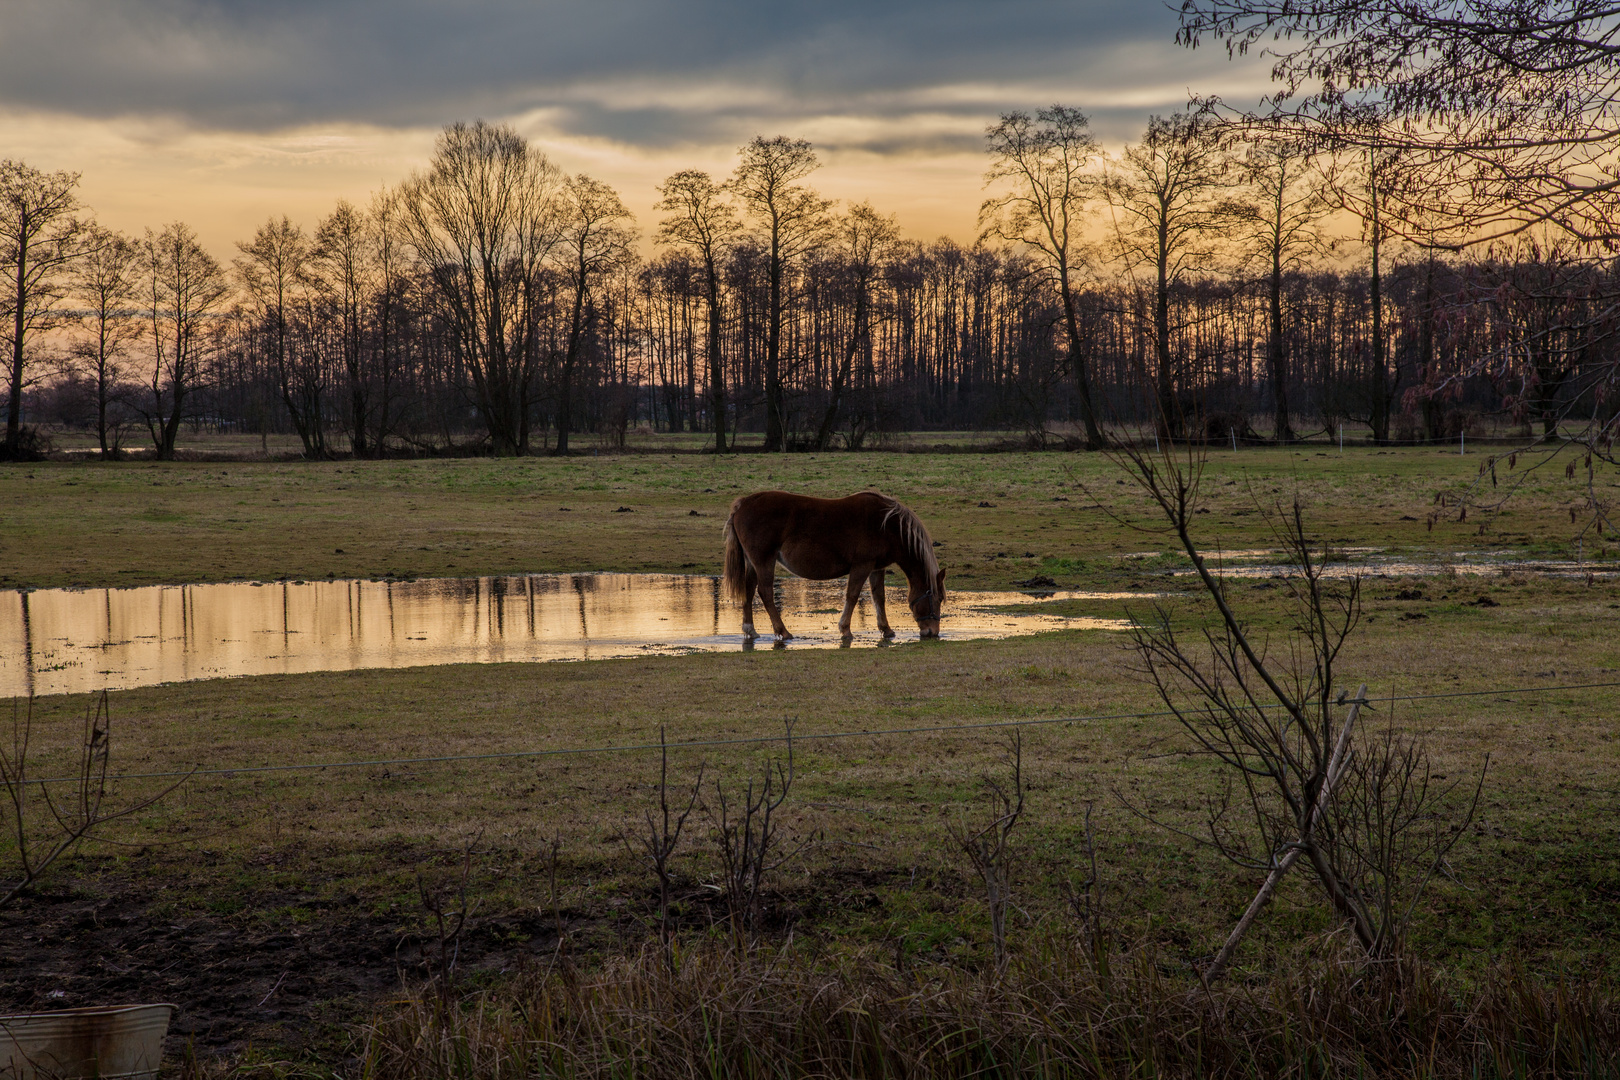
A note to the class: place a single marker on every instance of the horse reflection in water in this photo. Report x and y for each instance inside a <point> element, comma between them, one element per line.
<point>819,539</point>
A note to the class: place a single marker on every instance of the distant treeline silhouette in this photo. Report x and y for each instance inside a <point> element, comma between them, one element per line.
<point>1191,287</point>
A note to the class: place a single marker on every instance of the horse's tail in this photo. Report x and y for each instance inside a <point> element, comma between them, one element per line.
<point>736,564</point>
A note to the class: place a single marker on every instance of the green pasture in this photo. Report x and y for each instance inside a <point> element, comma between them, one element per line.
<point>999,517</point>
<point>1536,877</point>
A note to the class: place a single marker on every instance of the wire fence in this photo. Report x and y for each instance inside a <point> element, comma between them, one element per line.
<point>756,740</point>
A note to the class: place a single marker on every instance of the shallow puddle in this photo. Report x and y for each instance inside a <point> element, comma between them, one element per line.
<point>1381,566</point>
<point>1375,562</point>
<point>58,641</point>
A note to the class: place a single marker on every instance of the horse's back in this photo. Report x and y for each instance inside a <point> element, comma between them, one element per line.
<point>782,511</point>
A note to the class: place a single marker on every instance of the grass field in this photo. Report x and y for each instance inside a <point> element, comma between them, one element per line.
<point>286,875</point>
<point>998,517</point>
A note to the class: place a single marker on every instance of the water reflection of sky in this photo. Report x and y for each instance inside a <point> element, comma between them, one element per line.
<point>55,641</point>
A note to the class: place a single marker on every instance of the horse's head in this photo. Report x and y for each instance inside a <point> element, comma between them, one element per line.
<point>925,600</point>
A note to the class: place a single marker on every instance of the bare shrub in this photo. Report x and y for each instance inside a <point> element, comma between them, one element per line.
<point>747,832</point>
<point>1362,815</point>
<point>1391,825</point>
<point>988,845</point>
<point>448,907</point>
<point>660,837</point>
<point>72,818</point>
<point>32,444</point>
<point>1085,903</point>
<point>551,859</point>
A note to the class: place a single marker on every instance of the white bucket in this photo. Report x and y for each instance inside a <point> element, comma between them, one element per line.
<point>120,1041</point>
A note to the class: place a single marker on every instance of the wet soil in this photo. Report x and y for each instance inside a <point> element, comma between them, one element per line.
<point>303,992</point>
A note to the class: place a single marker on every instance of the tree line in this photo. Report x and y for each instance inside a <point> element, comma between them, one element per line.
<point>1254,276</point>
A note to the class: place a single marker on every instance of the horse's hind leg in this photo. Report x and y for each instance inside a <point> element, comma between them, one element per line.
<point>750,582</point>
<point>767,596</point>
<point>878,602</point>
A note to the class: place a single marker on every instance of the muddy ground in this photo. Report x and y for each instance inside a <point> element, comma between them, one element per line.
<point>245,992</point>
<point>299,990</point>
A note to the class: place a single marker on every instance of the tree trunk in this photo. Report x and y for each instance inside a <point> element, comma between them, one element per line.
<point>1549,381</point>
<point>101,409</point>
<point>717,371</point>
<point>565,379</point>
<point>1169,418</point>
<point>775,434</point>
<point>841,370</point>
<point>101,385</point>
<point>19,323</point>
<point>357,432</point>
<point>1431,406</point>
<point>1079,362</point>
<point>169,429</point>
<point>1277,356</point>
<point>358,444</point>
<point>1378,413</point>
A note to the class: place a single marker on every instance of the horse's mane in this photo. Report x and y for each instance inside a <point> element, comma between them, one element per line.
<point>913,533</point>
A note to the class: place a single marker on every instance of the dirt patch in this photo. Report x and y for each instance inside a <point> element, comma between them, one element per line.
<point>301,990</point>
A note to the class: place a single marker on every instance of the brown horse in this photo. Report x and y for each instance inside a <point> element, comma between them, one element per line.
<point>819,539</point>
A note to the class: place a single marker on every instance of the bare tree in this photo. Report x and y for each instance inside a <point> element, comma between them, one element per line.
<point>1542,298</point>
<point>39,239</point>
<point>1281,221</point>
<point>185,288</point>
<point>483,221</point>
<point>1503,116</point>
<point>865,239</point>
<point>1509,107</point>
<point>342,270</point>
<point>392,267</point>
<point>701,220</point>
<point>1363,182</point>
<point>106,282</point>
<point>1048,162</point>
<point>1166,192</point>
<point>793,221</point>
<point>274,271</point>
<point>594,238</point>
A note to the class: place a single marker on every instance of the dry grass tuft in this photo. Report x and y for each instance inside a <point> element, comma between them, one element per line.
<point>726,1013</point>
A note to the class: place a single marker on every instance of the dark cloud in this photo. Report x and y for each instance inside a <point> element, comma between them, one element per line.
<point>647,72</point>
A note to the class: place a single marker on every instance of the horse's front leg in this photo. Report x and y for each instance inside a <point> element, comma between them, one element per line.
<point>767,596</point>
<point>878,602</point>
<point>852,596</point>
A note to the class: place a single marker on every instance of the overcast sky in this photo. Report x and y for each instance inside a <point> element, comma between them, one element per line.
<point>223,112</point>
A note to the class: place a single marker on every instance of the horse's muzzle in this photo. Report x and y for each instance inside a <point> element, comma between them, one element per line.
<point>929,630</point>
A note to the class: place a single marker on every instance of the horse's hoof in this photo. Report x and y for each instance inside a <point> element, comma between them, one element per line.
<point>784,636</point>
<point>748,632</point>
<point>887,632</point>
<point>844,632</point>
